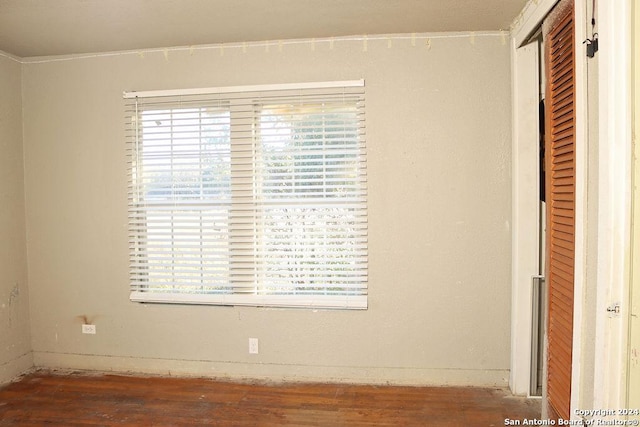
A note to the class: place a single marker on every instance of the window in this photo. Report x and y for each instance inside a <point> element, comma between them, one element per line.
<point>249,196</point>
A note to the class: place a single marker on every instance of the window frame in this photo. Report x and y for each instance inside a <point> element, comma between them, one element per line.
<point>348,298</point>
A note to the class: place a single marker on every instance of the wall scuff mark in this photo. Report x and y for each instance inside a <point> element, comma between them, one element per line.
<point>14,295</point>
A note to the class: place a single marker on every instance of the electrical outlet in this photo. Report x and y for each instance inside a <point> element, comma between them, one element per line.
<point>253,345</point>
<point>89,329</point>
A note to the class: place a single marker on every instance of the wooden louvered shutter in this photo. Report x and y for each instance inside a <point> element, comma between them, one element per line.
<point>560,175</point>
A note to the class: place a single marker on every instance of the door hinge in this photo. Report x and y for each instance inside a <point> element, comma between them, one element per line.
<point>592,45</point>
<point>614,310</point>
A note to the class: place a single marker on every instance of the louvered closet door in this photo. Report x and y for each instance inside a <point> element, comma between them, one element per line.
<point>560,175</point>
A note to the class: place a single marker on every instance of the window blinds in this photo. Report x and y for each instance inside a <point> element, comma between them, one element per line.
<point>249,196</point>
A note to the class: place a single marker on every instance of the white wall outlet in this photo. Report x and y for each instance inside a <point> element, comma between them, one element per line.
<point>89,329</point>
<point>253,345</point>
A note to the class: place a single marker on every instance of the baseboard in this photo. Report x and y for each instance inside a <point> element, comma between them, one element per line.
<point>240,371</point>
<point>13,368</point>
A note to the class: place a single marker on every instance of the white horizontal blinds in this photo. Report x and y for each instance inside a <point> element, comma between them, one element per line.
<point>311,195</point>
<point>179,195</point>
<point>249,198</point>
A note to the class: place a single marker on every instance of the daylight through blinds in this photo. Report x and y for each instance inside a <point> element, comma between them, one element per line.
<point>249,197</point>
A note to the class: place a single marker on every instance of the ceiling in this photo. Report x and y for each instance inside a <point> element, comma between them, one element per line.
<point>57,27</point>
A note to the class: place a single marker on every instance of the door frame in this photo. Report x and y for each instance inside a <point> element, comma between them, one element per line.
<point>600,367</point>
<point>523,27</point>
<point>633,374</point>
<point>614,203</point>
<point>525,210</point>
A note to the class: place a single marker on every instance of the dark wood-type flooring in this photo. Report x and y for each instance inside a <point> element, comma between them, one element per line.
<point>81,399</point>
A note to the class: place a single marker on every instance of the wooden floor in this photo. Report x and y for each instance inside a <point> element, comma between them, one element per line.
<point>79,399</point>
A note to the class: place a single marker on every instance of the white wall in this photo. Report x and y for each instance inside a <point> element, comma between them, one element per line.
<point>439,147</point>
<point>15,341</point>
